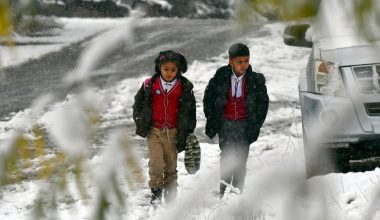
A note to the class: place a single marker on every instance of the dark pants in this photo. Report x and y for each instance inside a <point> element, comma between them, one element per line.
<point>234,153</point>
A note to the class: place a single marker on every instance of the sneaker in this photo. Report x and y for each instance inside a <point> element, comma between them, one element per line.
<point>156,196</point>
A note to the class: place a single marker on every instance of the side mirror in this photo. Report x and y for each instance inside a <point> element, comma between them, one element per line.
<point>294,35</point>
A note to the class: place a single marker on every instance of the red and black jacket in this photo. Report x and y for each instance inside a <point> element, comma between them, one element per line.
<point>216,95</point>
<point>165,105</point>
<point>186,121</point>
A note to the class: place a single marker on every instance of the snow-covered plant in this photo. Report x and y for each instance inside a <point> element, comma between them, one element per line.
<point>56,149</point>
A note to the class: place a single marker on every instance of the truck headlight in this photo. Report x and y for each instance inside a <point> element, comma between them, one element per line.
<point>328,79</point>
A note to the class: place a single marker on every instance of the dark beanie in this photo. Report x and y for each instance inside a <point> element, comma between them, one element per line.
<point>238,50</point>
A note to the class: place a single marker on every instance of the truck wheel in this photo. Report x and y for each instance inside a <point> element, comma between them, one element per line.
<point>342,160</point>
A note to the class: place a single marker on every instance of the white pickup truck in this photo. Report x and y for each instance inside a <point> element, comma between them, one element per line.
<point>339,90</point>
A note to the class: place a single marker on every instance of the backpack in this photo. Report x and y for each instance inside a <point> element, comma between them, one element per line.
<point>192,154</point>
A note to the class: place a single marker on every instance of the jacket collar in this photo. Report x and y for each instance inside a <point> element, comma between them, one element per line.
<point>185,82</point>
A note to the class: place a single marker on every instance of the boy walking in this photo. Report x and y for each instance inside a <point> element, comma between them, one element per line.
<point>235,105</point>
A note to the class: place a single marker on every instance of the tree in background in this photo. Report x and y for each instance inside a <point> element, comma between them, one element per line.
<point>185,8</point>
<point>181,8</point>
<point>213,9</point>
<point>19,16</point>
<point>81,8</point>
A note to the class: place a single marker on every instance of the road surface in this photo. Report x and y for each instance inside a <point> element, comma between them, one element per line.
<point>196,39</point>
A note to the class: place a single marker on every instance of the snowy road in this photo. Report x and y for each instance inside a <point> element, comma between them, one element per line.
<point>197,39</point>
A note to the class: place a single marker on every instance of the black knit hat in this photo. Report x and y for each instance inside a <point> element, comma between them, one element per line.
<point>169,55</point>
<point>238,50</point>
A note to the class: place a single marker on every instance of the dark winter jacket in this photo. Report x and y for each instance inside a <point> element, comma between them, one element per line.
<point>142,111</point>
<point>215,98</point>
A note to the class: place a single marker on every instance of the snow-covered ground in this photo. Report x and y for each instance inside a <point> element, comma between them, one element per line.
<point>74,30</point>
<point>275,188</point>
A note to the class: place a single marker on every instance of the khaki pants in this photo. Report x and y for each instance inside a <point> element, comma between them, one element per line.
<point>162,158</point>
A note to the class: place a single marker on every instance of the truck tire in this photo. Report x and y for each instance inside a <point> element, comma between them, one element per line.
<point>342,160</point>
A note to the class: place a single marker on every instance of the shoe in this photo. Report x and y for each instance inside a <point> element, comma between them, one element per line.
<point>156,196</point>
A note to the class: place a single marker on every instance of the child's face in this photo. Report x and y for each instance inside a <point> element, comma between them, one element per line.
<point>239,64</point>
<point>169,70</point>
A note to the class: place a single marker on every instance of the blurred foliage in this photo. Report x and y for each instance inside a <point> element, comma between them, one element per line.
<point>363,9</point>
<point>20,16</point>
<point>21,11</point>
<point>4,18</point>
<point>286,10</point>
<point>290,10</point>
<point>30,158</point>
<point>20,163</point>
<point>299,10</point>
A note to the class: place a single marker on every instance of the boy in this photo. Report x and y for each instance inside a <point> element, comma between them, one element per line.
<point>235,105</point>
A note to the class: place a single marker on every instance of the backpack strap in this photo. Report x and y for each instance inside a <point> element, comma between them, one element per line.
<point>146,82</point>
